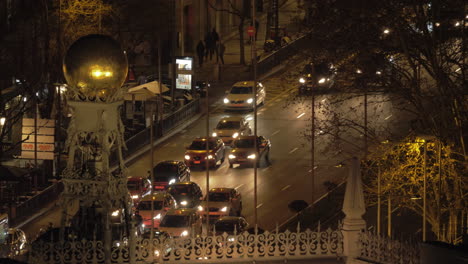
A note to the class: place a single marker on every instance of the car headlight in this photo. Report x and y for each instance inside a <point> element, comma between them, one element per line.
<point>115,213</point>
<point>224,209</point>
<point>323,80</point>
<point>172,181</point>
<point>200,208</point>
<point>231,239</point>
<point>225,100</point>
<point>183,203</point>
<point>232,156</point>
<point>157,217</point>
<point>250,100</point>
<point>235,135</point>
<point>301,80</point>
<point>135,196</point>
<point>252,156</point>
<point>184,233</point>
<point>210,157</point>
<point>187,157</point>
<point>156,253</point>
<point>214,134</point>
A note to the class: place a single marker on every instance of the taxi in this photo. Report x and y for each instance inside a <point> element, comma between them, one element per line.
<point>196,153</point>
<point>241,96</point>
<point>184,222</point>
<point>162,202</point>
<point>221,202</point>
<point>230,128</point>
<point>138,187</point>
<point>243,151</point>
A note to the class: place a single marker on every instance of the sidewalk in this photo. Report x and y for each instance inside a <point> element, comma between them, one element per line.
<point>232,70</point>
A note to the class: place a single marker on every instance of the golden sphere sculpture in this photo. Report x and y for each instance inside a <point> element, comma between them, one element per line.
<point>95,68</point>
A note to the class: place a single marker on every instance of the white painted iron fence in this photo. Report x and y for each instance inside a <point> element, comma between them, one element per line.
<point>375,248</point>
<point>203,249</point>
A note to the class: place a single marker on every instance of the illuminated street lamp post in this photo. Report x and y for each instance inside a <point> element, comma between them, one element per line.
<point>95,68</point>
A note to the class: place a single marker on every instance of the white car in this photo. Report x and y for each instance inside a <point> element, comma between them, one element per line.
<point>230,128</point>
<point>184,222</point>
<point>162,202</point>
<point>241,96</point>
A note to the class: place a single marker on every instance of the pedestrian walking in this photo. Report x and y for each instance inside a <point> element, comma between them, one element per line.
<point>256,28</point>
<point>221,48</point>
<point>209,46</point>
<point>200,52</point>
<point>215,36</point>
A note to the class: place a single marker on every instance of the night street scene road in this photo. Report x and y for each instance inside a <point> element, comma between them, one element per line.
<point>233,131</point>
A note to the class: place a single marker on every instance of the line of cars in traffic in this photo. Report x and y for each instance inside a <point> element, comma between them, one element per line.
<point>177,207</point>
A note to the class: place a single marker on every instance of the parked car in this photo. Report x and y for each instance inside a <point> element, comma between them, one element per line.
<point>229,128</point>
<point>221,202</point>
<point>138,187</point>
<point>196,152</point>
<point>243,150</point>
<point>241,96</point>
<point>182,223</point>
<point>187,194</point>
<point>13,243</point>
<point>168,172</point>
<point>162,202</point>
<point>315,77</point>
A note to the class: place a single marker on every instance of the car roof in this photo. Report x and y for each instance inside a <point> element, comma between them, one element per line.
<point>230,219</point>
<point>168,162</point>
<point>156,196</point>
<point>246,83</point>
<point>135,178</point>
<point>181,211</point>
<point>183,183</point>
<point>231,118</point>
<point>204,138</point>
<point>221,190</point>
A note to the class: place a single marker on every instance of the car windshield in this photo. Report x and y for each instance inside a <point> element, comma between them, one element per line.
<point>321,69</point>
<point>179,190</point>
<point>200,145</point>
<point>132,186</point>
<point>244,143</point>
<point>225,226</point>
<point>175,221</point>
<point>163,178</point>
<point>241,90</point>
<point>165,168</point>
<point>146,205</point>
<point>219,197</point>
<point>228,125</point>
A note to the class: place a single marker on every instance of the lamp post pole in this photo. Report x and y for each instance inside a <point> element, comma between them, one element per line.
<point>207,163</point>
<point>424,192</point>
<point>254,67</point>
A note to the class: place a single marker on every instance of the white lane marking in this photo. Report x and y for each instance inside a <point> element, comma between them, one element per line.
<point>276,132</point>
<point>260,205</point>
<point>239,186</point>
<point>167,144</point>
<point>286,187</point>
<point>299,116</point>
<point>267,168</point>
<point>388,117</point>
<point>294,149</point>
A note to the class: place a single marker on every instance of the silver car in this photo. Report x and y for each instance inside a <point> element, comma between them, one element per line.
<point>230,128</point>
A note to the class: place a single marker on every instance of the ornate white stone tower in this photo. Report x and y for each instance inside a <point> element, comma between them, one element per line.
<point>95,68</point>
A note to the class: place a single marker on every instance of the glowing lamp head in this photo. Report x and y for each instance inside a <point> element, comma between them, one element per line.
<point>95,66</point>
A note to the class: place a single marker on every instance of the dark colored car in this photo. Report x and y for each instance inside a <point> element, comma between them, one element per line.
<point>315,77</point>
<point>231,225</point>
<point>243,151</point>
<point>187,194</point>
<point>138,187</point>
<point>196,153</point>
<point>168,172</point>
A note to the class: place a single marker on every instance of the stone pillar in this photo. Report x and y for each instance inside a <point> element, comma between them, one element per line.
<point>354,208</point>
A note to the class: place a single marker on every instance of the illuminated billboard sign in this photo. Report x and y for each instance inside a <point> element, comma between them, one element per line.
<point>184,73</point>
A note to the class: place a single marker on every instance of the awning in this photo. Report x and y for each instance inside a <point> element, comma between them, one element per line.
<point>145,91</point>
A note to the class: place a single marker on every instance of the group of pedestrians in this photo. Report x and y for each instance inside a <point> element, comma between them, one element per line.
<point>211,45</point>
